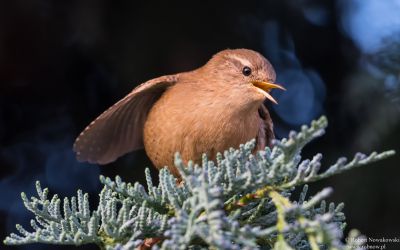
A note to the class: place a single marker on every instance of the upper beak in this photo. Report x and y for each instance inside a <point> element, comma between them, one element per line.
<point>266,87</point>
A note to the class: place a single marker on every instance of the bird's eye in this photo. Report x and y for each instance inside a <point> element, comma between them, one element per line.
<point>246,71</point>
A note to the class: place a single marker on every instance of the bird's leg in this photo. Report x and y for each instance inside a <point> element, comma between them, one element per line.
<point>148,243</point>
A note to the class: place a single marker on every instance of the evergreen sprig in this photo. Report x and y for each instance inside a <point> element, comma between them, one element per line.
<point>240,201</point>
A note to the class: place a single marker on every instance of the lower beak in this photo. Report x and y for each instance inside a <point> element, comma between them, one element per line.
<point>266,88</point>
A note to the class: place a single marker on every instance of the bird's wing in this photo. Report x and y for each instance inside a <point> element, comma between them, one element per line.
<point>119,129</point>
<point>266,131</point>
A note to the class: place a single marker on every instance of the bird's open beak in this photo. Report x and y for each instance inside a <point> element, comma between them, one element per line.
<point>266,87</point>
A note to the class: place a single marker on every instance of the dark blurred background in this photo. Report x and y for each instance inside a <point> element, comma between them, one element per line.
<point>64,62</point>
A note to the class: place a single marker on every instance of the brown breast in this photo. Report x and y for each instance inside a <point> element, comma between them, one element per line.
<point>195,124</point>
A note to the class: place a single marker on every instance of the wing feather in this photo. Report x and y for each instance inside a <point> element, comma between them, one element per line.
<point>119,129</point>
<point>266,131</point>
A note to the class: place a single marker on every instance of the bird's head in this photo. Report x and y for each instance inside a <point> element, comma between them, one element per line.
<point>244,70</point>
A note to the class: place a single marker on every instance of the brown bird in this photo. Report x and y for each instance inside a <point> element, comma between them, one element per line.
<point>207,110</point>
